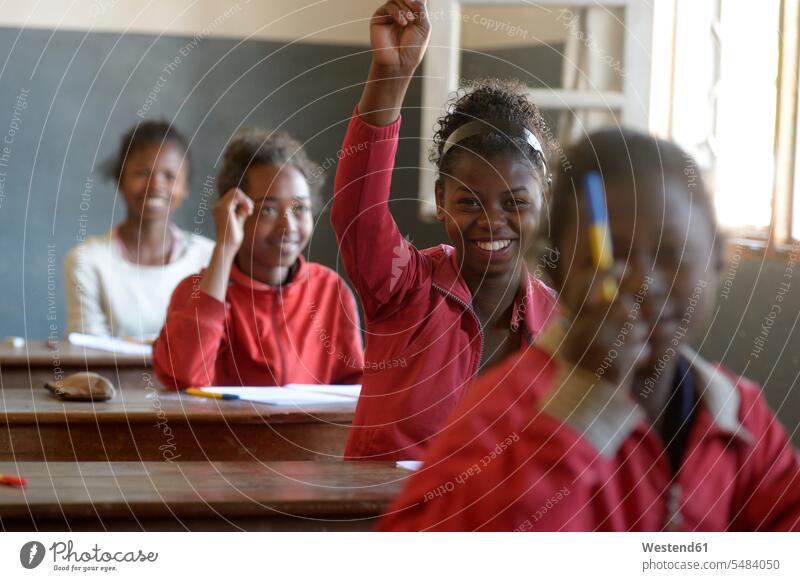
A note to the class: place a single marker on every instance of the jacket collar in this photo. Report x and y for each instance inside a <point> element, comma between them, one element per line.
<point>606,415</point>
<point>298,277</point>
<point>533,305</point>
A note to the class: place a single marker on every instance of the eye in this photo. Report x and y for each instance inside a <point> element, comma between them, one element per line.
<point>300,208</point>
<point>469,203</point>
<point>269,211</point>
<point>518,203</point>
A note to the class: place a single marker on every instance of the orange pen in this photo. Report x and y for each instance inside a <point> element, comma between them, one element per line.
<point>10,480</point>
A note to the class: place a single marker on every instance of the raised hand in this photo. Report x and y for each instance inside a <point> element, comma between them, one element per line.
<point>230,213</point>
<point>399,33</point>
<point>608,339</point>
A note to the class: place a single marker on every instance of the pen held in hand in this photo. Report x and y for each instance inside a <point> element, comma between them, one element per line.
<point>599,233</point>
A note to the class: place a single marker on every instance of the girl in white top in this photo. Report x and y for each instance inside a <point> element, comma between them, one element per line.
<point>119,284</point>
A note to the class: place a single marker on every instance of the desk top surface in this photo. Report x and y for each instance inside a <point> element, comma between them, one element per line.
<point>175,489</point>
<point>63,353</point>
<point>38,405</point>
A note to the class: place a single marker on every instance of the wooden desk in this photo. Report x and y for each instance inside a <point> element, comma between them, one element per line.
<point>153,425</point>
<point>198,496</point>
<point>37,363</point>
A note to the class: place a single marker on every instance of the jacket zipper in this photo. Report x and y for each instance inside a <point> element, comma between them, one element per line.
<point>474,316</point>
<point>278,303</point>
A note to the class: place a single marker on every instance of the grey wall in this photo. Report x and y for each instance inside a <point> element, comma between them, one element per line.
<point>85,90</point>
<point>755,331</point>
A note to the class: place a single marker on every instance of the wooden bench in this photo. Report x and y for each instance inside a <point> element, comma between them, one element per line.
<point>198,496</point>
<point>151,425</point>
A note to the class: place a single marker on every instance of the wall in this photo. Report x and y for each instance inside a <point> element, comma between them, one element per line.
<point>755,330</point>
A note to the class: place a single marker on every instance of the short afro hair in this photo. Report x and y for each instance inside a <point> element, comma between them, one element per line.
<point>492,100</point>
<point>142,135</point>
<point>254,146</point>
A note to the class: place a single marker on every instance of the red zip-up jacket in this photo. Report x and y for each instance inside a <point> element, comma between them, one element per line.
<point>305,331</point>
<point>532,449</point>
<point>423,340</point>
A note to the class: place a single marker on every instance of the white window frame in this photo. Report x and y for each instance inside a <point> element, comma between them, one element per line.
<point>441,74</point>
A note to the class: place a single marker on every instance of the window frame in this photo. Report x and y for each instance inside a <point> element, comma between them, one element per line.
<point>639,106</point>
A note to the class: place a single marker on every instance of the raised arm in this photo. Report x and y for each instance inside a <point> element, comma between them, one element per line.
<point>399,33</point>
<point>379,261</point>
<point>230,213</point>
<point>185,353</point>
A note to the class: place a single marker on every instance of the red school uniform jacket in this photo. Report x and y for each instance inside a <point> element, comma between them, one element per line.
<point>305,331</point>
<point>532,449</point>
<point>423,340</point>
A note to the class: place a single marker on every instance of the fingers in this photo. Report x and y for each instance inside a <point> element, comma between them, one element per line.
<point>400,12</point>
<point>242,206</point>
<point>236,202</point>
<point>397,12</point>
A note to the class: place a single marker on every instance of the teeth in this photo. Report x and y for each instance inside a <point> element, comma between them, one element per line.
<point>493,246</point>
<point>156,202</point>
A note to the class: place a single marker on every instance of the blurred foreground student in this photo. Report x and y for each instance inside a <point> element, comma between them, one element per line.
<point>436,318</point>
<point>612,422</point>
<point>260,314</point>
<point>119,284</point>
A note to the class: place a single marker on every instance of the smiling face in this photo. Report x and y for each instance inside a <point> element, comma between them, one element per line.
<point>490,208</point>
<point>281,224</point>
<point>154,181</point>
<point>664,249</point>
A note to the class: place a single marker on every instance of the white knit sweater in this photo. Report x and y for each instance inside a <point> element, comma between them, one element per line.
<point>107,295</point>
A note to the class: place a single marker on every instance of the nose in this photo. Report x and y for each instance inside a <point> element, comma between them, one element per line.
<point>158,182</point>
<point>492,217</point>
<point>287,223</point>
<point>644,279</point>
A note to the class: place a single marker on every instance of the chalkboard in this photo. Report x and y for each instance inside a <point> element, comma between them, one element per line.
<point>67,98</point>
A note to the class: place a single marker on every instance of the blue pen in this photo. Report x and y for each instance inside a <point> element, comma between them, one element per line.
<point>599,234</point>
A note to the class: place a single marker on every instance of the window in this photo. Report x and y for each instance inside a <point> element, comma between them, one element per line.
<point>588,63</point>
<point>725,107</point>
<point>717,76</point>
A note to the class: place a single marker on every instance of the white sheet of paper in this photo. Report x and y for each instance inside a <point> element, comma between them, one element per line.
<point>412,465</point>
<point>345,390</point>
<point>112,344</point>
<point>280,395</point>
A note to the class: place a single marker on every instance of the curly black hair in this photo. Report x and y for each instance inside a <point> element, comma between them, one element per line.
<point>254,146</point>
<point>144,134</point>
<point>624,156</point>
<point>491,100</point>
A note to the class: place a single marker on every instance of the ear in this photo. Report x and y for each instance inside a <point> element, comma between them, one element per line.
<point>439,193</point>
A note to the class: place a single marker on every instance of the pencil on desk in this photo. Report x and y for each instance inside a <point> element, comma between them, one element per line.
<point>201,393</point>
<point>599,234</point>
<point>10,480</point>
